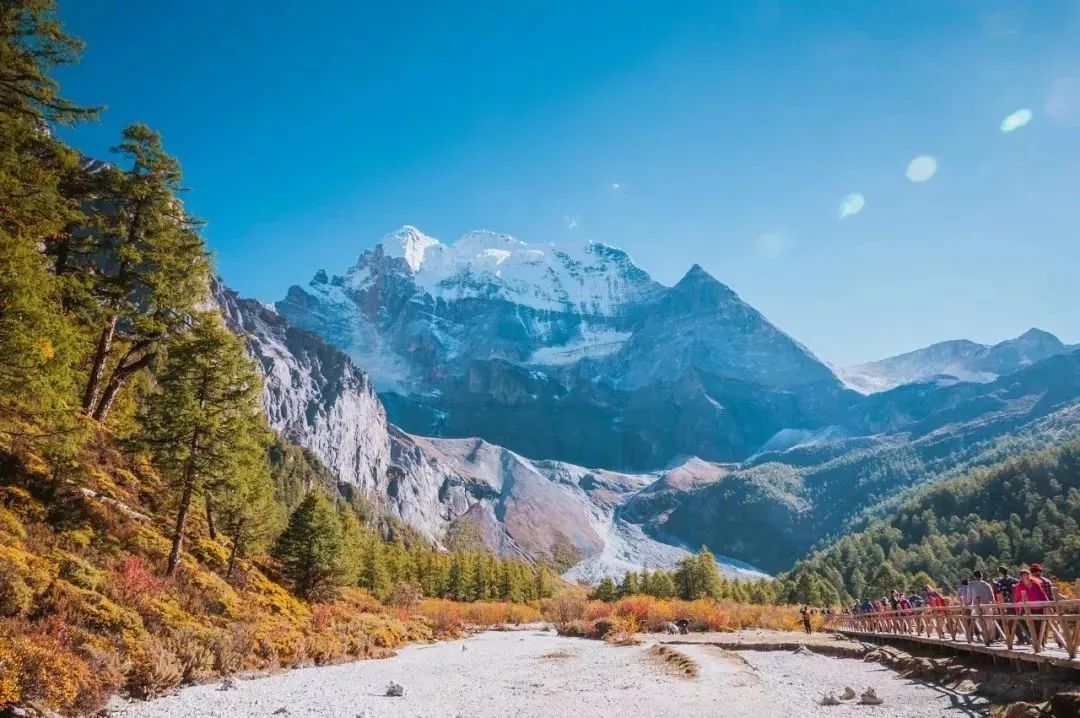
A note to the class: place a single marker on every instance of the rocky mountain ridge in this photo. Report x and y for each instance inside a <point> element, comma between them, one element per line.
<point>959,360</point>
<point>712,425</point>
<point>568,353</point>
<point>539,510</point>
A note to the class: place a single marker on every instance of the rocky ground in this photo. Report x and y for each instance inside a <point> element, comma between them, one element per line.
<point>540,674</point>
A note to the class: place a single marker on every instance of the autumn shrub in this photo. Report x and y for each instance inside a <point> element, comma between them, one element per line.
<point>78,572</point>
<point>134,580</point>
<point>598,609</point>
<point>38,667</point>
<point>565,606</point>
<point>231,646</point>
<point>406,595</point>
<point>16,596</point>
<point>652,615</point>
<point>193,651</point>
<point>448,618</point>
<point>155,670</point>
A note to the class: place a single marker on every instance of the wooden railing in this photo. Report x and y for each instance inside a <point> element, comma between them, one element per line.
<point>1035,623</point>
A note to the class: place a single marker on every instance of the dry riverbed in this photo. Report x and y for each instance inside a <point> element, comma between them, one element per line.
<point>531,673</point>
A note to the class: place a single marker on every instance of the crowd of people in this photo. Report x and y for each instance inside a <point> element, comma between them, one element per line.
<point>1032,586</point>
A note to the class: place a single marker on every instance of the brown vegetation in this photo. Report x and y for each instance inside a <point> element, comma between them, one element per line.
<point>678,662</point>
<point>574,615</point>
<point>87,611</point>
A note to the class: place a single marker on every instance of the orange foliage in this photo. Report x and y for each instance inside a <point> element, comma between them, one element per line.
<point>452,616</point>
<point>649,614</point>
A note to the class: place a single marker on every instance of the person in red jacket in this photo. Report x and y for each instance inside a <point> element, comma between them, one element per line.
<point>1037,576</point>
<point>1029,590</point>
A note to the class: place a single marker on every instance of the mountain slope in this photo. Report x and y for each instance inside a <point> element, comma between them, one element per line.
<point>570,353</point>
<point>770,511</point>
<point>960,359</point>
<point>548,510</point>
<point>1021,510</point>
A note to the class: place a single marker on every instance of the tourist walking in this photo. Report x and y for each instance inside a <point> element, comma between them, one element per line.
<point>1029,590</point>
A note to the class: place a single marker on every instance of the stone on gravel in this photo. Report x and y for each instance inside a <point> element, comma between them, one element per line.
<point>1019,710</point>
<point>1065,705</point>
<point>395,690</point>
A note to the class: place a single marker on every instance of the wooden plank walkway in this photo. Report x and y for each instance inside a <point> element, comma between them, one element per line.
<point>1044,633</point>
<point>1058,657</point>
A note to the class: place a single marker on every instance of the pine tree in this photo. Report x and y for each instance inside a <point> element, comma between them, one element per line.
<point>375,576</point>
<point>686,579</point>
<point>32,43</point>
<point>663,585</point>
<point>201,421</point>
<point>457,582</point>
<point>354,543</point>
<point>144,265</point>
<point>39,345</point>
<point>248,512</point>
<point>605,590</point>
<point>708,573</point>
<point>629,585</point>
<point>885,579</point>
<point>310,549</point>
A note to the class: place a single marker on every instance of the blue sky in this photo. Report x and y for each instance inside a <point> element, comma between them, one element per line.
<point>725,133</point>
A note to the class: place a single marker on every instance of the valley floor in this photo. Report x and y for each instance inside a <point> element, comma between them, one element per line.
<point>533,673</point>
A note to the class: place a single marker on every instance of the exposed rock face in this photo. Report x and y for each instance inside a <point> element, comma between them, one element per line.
<point>571,353</point>
<point>317,398</point>
<point>716,428</point>
<point>313,395</point>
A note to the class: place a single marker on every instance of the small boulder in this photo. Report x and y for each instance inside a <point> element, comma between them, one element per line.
<point>1018,710</point>
<point>395,690</point>
<point>1065,705</point>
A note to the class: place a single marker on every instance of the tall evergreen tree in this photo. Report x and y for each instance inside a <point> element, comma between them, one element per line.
<point>310,549</point>
<point>144,265</point>
<point>202,419</point>
<point>38,342</point>
<point>248,512</point>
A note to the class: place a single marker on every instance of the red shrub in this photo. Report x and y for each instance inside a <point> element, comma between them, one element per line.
<point>134,580</point>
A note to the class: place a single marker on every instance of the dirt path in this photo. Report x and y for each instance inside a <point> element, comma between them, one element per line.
<point>540,674</point>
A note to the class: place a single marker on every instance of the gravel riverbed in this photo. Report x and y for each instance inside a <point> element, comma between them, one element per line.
<point>530,673</point>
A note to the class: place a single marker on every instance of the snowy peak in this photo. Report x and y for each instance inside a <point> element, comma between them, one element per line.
<point>584,279</point>
<point>410,244</point>
<point>959,359</point>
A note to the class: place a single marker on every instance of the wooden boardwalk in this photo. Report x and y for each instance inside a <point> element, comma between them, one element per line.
<point>1045,633</point>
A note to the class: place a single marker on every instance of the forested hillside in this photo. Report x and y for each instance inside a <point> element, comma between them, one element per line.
<point>153,529</point>
<point>1017,511</point>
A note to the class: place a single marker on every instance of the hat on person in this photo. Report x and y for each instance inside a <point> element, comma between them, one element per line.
<point>1035,567</point>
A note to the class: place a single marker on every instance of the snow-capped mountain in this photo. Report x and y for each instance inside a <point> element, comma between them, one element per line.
<point>958,360</point>
<point>799,486</point>
<point>566,352</point>
<point>412,307</point>
<point>316,397</point>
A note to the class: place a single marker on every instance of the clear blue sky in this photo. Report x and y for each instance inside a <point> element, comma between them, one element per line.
<point>723,133</point>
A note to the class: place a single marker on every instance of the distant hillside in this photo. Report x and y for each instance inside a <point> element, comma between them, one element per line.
<point>1017,511</point>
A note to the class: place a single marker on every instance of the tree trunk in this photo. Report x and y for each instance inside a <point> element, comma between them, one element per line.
<point>181,521</point>
<point>93,383</point>
<point>235,550</point>
<point>185,506</point>
<point>209,497</point>
<point>119,378</point>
